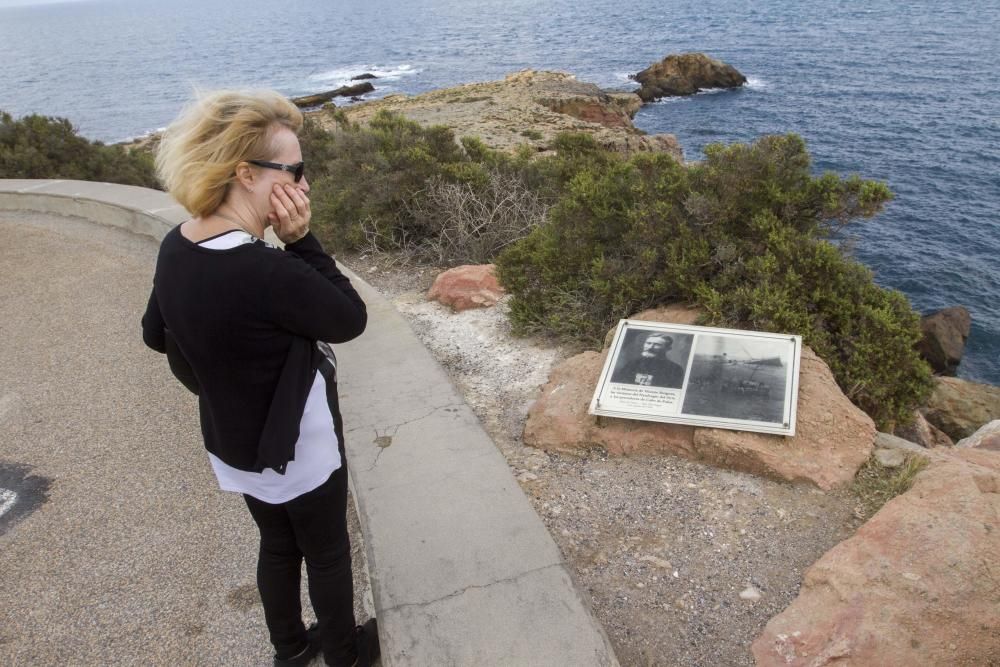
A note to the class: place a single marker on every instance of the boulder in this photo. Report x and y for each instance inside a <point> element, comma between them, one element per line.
<point>833,438</point>
<point>343,91</point>
<point>923,433</point>
<point>959,407</point>
<point>890,457</point>
<point>686,74</point>
<point>889,441</point>
<point>916,585</point>
<point>559,422</point>
<point>675,313</point>
<point>987,437</point>
<point>468,286</point>
<point>945,333</point>
<point>363,77</point>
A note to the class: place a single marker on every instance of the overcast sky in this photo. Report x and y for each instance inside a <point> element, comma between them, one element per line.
<point>20,3</point>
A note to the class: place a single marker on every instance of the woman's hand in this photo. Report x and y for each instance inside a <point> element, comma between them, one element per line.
<point>291,214</point>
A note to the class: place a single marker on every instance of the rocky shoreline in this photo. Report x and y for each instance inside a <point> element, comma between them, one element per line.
<point>529,108</point>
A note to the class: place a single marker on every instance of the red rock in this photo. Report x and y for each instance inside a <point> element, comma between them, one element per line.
<point>916,585</point>
<point>675,313</point>
<point>987,437</point>
<point>833,437</point>
<point>469,286</point>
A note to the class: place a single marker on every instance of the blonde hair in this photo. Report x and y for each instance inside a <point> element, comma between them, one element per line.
<point>198,153</point>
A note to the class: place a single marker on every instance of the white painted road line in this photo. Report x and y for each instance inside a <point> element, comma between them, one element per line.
<point>7,500</point>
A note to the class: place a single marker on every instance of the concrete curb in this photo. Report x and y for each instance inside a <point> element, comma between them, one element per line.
<point>462,569</point>
<point>139,210</point>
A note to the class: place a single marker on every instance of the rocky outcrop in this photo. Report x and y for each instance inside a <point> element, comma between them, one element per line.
<point>833,438</point>
<point>916,585</point>
<point>344,91</point>
<point>987,437</point>
<point>607,109</point>
<point>363,77</point>
<point>959,407</point>
<point>686,74</point>
<point>923,433</point>
<point>945,333</point>
<point>469,286</point>
<point>525,108</point>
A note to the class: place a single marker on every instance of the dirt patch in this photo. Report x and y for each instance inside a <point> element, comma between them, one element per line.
<point>683,563</point>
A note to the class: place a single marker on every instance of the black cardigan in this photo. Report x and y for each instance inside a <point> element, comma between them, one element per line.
<point>247,320</point>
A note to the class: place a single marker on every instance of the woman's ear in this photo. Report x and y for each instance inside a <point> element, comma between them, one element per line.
<point>245,175</point>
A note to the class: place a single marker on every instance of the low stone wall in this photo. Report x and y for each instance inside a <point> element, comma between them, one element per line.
<point>138,210</point>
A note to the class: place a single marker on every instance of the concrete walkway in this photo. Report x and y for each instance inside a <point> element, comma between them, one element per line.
<point>137,558</point>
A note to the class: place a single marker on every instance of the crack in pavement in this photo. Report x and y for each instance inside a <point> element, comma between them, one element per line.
<point>466,589</point>
<point>384,440</point>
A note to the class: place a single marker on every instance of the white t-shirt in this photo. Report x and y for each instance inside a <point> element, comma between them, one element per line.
<point>316,451</point>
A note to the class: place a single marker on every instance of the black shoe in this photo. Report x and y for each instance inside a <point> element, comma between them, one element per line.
<point>305,656</point>
<point>366,639</point>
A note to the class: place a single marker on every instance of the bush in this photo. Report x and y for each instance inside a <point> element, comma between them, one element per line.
<point>395,185</point>
<point>367,180</point>
<point>744,234</point>
<point>43,147</point>
<point>471,224</point>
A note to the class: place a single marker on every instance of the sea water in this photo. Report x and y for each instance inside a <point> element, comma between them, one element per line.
<point>905,92</point>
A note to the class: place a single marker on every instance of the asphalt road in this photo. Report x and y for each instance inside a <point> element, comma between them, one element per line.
<point>116,545</point>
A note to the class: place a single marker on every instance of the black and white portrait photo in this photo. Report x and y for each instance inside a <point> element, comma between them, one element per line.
<point>653,359</point>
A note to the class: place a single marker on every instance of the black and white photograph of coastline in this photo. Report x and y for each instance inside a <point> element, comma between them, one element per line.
<point>733,377</point>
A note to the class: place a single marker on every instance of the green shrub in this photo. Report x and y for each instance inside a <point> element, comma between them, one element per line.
<point>43,147</point>
<point>744,234</point>
<point>367,179</point>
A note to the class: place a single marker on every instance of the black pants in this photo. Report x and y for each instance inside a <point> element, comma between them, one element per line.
<point>313,526</point>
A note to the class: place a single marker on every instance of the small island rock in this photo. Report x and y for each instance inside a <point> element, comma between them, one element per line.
<point>686,74</point>
<point>945,333</point>
<point>343,91</point>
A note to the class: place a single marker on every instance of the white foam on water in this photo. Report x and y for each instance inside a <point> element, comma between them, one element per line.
<point>341,76</point>
<point>7,500</point>
<point>757,83</point>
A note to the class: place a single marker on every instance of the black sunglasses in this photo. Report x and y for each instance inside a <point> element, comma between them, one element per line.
<point>297,169</point>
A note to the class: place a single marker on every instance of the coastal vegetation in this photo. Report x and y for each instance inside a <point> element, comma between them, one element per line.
<point>583,236</point>
<point>590,236</point>
<point>876,484</point>
<point>44,147</point>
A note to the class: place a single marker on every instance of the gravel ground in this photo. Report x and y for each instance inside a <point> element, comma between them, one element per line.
<point>684,563</point>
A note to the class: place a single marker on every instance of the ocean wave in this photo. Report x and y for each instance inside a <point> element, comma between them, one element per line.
<point>757,83</point>
<point>341,76</point>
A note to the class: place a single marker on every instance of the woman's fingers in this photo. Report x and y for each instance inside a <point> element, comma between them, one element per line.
<point>291,208</point>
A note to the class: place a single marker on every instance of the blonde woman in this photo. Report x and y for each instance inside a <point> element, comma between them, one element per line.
<point>245,326</point>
